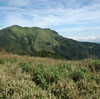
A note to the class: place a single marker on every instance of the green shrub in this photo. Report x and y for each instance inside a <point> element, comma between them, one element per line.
<point>45,76</point>
<point>26,67</point>
<point>2,61</point>
<point>36,72</point>
<point>7,90</point>
<point>38,77</point>
<point>96,78</point>
<point>77,74</point>
<point>65,66</point>
<point>84,69</point>
<point>12,60</point>
<point>95,64</point>
<point>63,81</point>
<point>53,75</point>
<point>64,90</point>
<point>42,75</point>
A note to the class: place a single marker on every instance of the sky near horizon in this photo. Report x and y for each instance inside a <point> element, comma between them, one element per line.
<point>76,19</point>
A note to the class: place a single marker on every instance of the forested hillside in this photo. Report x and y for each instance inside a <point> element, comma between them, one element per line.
<point>36,41</point>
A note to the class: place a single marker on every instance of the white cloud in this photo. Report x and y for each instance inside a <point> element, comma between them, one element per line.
<point>57,16</point>
<point>53,13</point>
<point>87,38</point>
<point>78,29</point>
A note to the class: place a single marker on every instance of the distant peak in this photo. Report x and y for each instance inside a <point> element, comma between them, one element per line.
<point>15,26</point>
<point>25,26</point>
<point>53,31</point>
<point>36,27</point>
<point>46,28</point>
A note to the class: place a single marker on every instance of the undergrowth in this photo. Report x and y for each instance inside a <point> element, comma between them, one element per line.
<point>44,78</point>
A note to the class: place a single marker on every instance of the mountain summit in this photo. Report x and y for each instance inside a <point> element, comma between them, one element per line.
<point>45,42</point>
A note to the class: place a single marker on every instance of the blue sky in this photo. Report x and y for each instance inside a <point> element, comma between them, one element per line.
<point>76,19</point>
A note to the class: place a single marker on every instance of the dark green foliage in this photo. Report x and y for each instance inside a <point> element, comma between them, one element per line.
<point>44,54</point>
<point>52,75</point>
<point>95,65</point>
<point>71,49</point>
<point>2,61</point>
<point>45,43</point>
<point>66,66</point>
<point>61,91</point>
<point>93,48</point>
<point>96,78</point>
<point>77,75</point>
<point>42,75</point>
<point>26,67</point>
<point>38,76</point>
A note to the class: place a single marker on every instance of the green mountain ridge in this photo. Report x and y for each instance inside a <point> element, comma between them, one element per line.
<point>45,42</point>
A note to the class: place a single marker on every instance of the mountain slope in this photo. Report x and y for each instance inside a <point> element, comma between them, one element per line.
<point>44,42</point>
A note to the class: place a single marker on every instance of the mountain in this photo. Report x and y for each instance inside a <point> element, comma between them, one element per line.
<point>45,42</point>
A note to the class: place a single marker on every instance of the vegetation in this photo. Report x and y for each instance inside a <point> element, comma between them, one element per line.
<point>23,77</point>
<point>45,43</point>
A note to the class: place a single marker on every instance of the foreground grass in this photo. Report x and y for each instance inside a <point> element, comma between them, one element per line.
<point>23,77</point>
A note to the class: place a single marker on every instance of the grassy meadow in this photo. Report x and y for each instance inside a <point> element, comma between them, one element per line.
<point>24,77</point>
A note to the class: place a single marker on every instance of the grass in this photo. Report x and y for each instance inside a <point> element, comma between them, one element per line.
<point>23,77</point>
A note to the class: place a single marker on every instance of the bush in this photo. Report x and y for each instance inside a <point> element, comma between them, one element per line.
<point>53,75</point>
<point>2,61</point>
<point>77,74</point>
<point>64,90</point>
<point>38,77</point>
<point>45,76</point>
<point>26,67</point>
<point>42,75</point>
<point>65,66</point>
<point>7,90</point>
<point>94,65</point>
<point>12,60</point>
